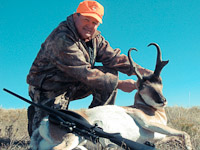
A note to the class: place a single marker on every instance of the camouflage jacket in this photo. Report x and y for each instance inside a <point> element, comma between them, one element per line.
<point>64,58</point>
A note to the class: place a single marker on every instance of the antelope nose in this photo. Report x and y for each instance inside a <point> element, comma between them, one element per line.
<point>164,99</point>
<point>164,102</point>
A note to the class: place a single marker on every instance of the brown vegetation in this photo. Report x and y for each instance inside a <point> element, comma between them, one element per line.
<point>14,135</point>
<point>13,129</point>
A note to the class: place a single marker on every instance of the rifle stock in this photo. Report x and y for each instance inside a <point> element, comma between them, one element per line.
<point>113,137</point>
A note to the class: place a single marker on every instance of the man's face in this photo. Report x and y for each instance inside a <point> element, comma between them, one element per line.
<point>86,26</point>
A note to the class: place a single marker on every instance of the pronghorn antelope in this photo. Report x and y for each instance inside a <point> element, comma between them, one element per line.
<point>143,121</point>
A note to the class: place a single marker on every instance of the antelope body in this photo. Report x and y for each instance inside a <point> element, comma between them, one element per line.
<point>143,121</point>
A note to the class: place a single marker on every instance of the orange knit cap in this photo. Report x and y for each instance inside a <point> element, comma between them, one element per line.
<point>92,9</point>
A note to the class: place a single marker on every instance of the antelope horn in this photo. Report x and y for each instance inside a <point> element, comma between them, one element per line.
<point>133,65</point>
<point>159,63</point>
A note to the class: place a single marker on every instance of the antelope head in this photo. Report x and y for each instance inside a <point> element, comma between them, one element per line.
<point>150,87</point>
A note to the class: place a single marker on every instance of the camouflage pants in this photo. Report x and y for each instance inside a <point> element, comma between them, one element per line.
<point>61,101</point>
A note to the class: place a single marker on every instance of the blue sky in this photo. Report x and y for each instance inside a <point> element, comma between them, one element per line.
<point>173,24</point>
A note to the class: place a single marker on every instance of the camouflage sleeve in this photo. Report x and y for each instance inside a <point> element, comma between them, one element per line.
<point>112,58</point>
<point>70,59</point>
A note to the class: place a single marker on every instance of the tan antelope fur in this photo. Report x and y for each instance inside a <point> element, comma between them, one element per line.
<point>145,120</point>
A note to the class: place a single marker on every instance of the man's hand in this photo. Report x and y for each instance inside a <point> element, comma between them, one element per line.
<point>127,85</point>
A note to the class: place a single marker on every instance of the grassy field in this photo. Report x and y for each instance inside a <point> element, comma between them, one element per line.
<point>14,135</point>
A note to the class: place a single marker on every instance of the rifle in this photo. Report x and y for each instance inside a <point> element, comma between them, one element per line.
<point>90,132</point>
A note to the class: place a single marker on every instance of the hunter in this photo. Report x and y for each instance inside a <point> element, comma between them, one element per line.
<point>64,69</point>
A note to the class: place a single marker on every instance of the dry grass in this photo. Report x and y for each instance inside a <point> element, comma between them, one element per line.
<point>13,129</point>
<point>184,119</point>
<point>14,135</point>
